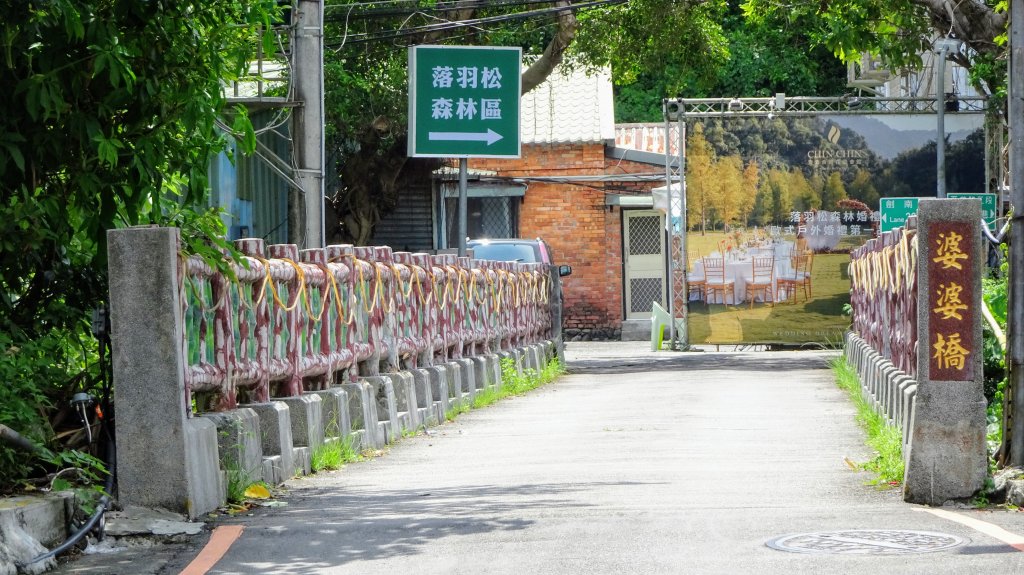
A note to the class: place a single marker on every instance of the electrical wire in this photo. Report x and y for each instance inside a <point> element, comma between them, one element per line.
<point>441,7</point>
<point>429,28</point>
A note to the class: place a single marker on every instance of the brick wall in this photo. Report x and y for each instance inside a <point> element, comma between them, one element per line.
<point>583,232</point>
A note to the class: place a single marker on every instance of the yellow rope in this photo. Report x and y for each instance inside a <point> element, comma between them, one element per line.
<point>254,303</point>
<point>273,290</point>
<point>323,303</point>
<point>380,290</point>
<point>398,276</point>
<point>443,302</point>
<point>419,286</point>
<point>362,286</point>
<point>337,299</point>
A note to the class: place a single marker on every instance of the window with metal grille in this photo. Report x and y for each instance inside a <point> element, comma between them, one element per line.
<point>485,218</point>
<point>644,235</point>
<point>643,293</point>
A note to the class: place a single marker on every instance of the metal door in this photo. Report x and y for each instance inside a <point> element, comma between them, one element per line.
<point>644,255</point>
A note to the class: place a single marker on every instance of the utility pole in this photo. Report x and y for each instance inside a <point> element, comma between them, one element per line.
<point>306,204</point>
<point>944,46</point>
<point>1014,432</point>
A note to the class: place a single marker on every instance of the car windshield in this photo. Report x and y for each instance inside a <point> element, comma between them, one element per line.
<point>504,252</point>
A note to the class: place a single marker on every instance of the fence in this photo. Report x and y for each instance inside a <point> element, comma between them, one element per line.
<point>882,344</point>
<point>245,363</point>
<point>883,276</point>
<point>289,322</point>
<point>916,344</point>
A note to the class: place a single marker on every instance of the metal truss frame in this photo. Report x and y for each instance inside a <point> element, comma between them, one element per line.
<point>677,110</point>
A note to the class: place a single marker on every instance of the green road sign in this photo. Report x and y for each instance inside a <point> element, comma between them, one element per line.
<point>988,205</point>
<point>893,212</point>
<point>464,101</point>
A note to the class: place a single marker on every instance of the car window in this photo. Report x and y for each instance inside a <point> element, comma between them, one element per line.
<point>504,252</point>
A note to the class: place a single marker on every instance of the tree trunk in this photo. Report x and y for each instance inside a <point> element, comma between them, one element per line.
<point>552,56</point>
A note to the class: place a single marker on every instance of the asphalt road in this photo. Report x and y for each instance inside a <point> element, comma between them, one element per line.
<point>632,463</point>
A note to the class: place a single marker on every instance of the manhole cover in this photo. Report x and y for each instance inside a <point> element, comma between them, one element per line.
<point>866,542</point>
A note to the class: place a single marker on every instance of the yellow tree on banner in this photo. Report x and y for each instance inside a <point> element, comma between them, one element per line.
<point>833,192</point>
<point>804,196</point>
<point>730,185</point>
<point>748,195</point>
<point>700,176</point>
<point>778,202</point>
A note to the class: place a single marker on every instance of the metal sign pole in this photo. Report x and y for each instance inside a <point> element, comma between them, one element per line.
<point>669,231</point>
<point>683,338</point>
<point>463,203</point>
<point>675,179</point>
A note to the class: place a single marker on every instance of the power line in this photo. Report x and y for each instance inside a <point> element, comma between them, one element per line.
<point>393,34</point>
<point>416,9</point>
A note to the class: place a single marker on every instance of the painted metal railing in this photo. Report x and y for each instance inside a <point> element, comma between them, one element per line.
<point>883,274</point>
<point>291,321</point>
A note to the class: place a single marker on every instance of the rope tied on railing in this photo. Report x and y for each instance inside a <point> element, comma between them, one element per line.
<point>241,337</point>
<point>337,298</point>
<point>273,290</point>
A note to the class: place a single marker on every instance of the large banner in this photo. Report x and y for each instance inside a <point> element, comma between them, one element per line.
<point>775,205</point>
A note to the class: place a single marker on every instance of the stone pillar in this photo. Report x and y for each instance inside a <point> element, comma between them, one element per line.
<point>165,458</point>
<point>947,457</point>
<point>383,395</point>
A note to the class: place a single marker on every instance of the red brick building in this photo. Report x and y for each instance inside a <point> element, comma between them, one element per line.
<point>588,199</point>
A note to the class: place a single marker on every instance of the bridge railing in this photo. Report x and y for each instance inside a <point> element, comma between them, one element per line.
<point>284,322</point>
<point>917,347</point>
<point>883,297</point>
<point>245,368</point>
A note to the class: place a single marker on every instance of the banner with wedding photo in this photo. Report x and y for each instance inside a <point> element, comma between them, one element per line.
<point>775,205</point>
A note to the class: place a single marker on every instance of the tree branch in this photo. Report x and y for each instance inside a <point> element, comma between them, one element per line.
<point>552,57</point>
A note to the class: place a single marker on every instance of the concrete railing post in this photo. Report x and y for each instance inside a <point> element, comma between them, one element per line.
<point>165,458</point>
<point>947,457</point>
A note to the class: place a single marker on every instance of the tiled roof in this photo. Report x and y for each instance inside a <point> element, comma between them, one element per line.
<point>571,108</point>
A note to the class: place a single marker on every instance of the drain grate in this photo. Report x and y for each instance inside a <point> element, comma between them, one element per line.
<point>866,542</point>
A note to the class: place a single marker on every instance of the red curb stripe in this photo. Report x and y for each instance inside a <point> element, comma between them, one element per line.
<point>221,540</point>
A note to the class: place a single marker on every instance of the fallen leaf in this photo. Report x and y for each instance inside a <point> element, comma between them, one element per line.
<point>257,491</point>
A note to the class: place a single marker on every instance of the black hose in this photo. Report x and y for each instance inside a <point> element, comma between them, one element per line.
<point>101,329</point>
<point>18,441</point>
<point>90,524</point>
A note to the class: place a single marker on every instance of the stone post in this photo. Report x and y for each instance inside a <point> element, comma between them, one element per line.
<point>165,457</point>
<point>947,457</point>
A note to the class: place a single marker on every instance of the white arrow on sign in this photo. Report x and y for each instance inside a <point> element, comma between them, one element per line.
<point>490,136</point>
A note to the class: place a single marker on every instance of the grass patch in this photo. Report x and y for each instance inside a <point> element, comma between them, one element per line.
<point>485,397</point>
<point>239,481</point>
<point>512,383</point>
<point>460,408</point>
<point>334,454</point>
<point>885,439</point>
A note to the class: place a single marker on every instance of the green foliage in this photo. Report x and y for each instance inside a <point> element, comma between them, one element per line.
<point>994,293</point>
<point>753,57</point>
<point>886,440</point>
<point>37,374</point>
<point>111,114</point>
<point>642,35</point>
<point>898,31</point>
<point>238,481</point>
<point>80,473</point>
<point>486,397</point>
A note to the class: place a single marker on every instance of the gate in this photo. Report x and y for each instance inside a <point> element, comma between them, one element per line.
<point>644,233</point>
